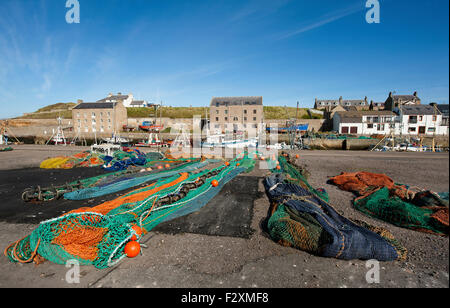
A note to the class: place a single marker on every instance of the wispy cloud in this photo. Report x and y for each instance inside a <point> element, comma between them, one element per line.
<point>258,9</point>
<point>324,20</point>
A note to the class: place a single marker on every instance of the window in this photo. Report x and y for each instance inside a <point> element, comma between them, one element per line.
<point>235,119</point>
<point>217,111</point>
<point>412,129</point>
<point>431,129</point>
<point>413,119</point>
<point>226,118</point>
<point>369,125</point>
<point>245,118</point>
<point>254,118</point>
<point>254,111</point>
<point>245,111</point>
<point>217,119</point>
<point>217,126</point>
<point>344,129</point>
<point>420,118</point>
<point>226,111</point>
<point>353,130</point>
<point>434,118</point>
<point>93,114</point>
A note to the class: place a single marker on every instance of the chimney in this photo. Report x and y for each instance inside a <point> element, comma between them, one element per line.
<point>415,94</point>
<point>390,94</point>
<point>365,99</point>
<point>119,93</point>
<point>340,99</point>
<point>110,94</point>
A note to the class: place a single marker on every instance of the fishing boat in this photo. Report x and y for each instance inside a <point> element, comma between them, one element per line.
<point>223,141</point>
<point>152,141</point>
<point>151,127</point>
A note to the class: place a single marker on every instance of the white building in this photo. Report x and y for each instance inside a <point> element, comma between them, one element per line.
<point>127,100</point>
<point>420,120</point>
<point>367,122</point>
<point>417,120</point>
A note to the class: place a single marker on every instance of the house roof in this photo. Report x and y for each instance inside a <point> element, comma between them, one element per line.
<point>348,102</point>
<point>419,110</point>
<point>356,116</point>
<point>96,105</point>
<point>137,103</point>
<point>405,97</point>
<point>237,101</point>
<point>113,98</point>
<point>352,114</point>
<point>443,108</point>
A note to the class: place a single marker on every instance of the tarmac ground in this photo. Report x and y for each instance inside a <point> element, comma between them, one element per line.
<point>224,244</point>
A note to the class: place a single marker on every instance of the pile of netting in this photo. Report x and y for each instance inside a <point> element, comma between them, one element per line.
<point>121,160</point>
<point>112,182</point>
<point>97,235</point>
<point>404,206</point>
<point>111,185</point>
<point>301,217</point>
<point>83,159</point>
<point>8,149</point>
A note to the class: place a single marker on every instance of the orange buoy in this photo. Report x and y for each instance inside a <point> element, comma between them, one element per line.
<point>215,183</point>
<point>297,156</point>
<point>227,163</point>
<point>160,167</point>
<point>278,167</point>
<point>138,231</point>
<point>132,249</point>
<point>167,166</point>
<point>263,158</point>
<point>238,164</point>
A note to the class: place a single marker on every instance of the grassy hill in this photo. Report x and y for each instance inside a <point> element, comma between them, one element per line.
<point>270,113</point>
<point>64,110</point>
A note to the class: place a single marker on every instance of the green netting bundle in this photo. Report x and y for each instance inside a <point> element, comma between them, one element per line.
<point>97,235</point>
<point>432,217</point>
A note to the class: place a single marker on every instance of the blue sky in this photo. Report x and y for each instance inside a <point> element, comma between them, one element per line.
<point>185,52</point>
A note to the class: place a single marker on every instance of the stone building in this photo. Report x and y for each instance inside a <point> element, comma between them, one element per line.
<point>393,102</point>
<point>230,114</point>
<point>329,104</point>
<point>99,117</point>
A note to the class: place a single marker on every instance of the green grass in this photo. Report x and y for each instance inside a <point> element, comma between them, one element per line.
<point>167,112</point>
<point>49,115</point>
<point>281,113</point>
<point>57,106</point>
<point>270,112</point>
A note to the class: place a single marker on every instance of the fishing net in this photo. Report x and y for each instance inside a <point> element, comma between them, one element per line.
<point>301,217</point>
<point>121,160</point>
<point>8,149</point>
<point>112,182</point>
<point>129,181</point>
<point>83,159</point>
<point>398,204</point>
<point>97,235</point>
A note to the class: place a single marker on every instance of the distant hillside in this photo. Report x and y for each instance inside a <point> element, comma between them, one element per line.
<point>64,110</point>
<point>270,113</point>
